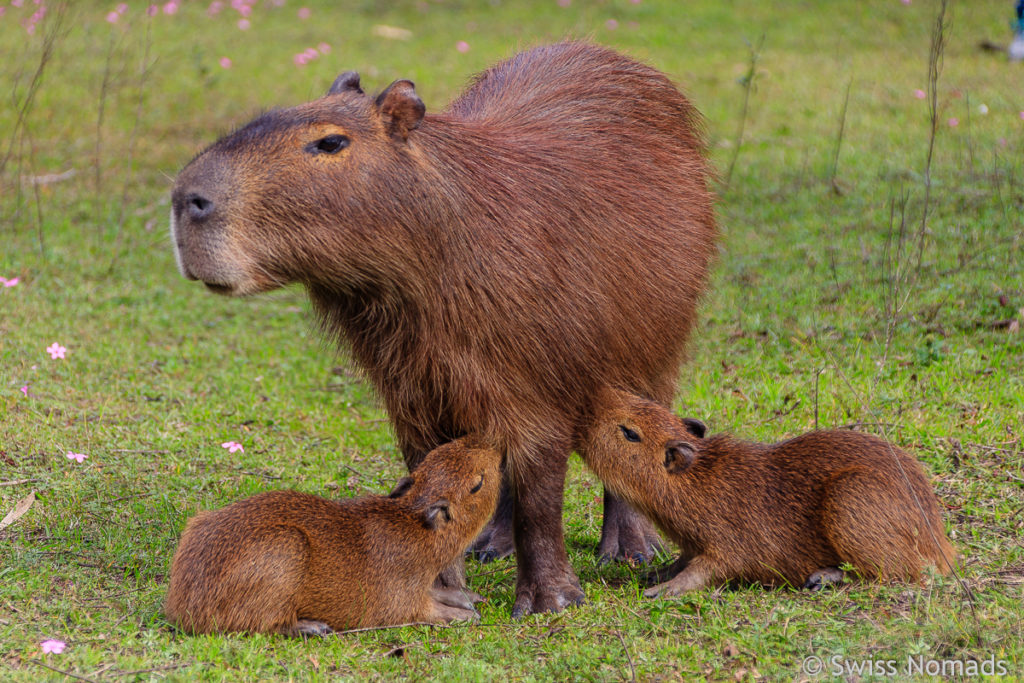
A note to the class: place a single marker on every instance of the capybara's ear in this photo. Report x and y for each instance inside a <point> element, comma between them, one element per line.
<point>679,456</point>
<point>401,108</point>
<point>436,514</point>
<point>346,82</point>
<point>403,485</point>
<point>695,427</point>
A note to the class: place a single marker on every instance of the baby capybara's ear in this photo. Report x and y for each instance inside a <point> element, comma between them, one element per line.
<point>401,108</point>
<point>403,485</point>
<point>679,456</point>
<point>695,427</point>
<point>437,514</point>
<point>346,82</point>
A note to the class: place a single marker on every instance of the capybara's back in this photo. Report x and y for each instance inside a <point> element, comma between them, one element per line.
<point>295,563</point>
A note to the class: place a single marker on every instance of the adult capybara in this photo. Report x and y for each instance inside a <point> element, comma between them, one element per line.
<point>489,266</point>
<point>785,513</point>
<point>289,562</point>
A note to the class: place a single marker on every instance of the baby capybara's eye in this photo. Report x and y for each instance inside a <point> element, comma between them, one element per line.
<point>478,486</point>
<point>629,434</point>
<point>329,145</point>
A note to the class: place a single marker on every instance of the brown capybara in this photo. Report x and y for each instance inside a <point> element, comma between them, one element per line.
<point>784,513</point>
<point>294,563</point>
<point>489,266</point>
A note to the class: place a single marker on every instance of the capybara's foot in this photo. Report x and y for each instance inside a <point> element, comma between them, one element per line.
<point>494,542</point>
<point>462,598</point>
<point>308,628</point>
<point>626,535</point>
<point>443,613</point>
<point>666,572</point>
<point>550,597</point>
<point>693,577</point>
<point>827,576</point>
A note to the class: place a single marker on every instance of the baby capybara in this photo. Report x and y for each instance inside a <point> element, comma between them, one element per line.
<point>784,513</point>
<point>294,563</point>
<point>489,266</point>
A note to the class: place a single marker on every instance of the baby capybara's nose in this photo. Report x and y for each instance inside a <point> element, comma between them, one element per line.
<point>198,207</point>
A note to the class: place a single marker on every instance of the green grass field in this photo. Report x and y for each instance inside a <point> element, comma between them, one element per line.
<point>841,298</point>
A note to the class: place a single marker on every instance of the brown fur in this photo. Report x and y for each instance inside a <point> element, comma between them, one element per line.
<point>489,266</point>
<point>290,562</point>
<point>785,513</point>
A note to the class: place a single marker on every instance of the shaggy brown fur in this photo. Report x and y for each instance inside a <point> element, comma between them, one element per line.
<point>785,513</point>
<point>294,563</point>
<point>489,266</point>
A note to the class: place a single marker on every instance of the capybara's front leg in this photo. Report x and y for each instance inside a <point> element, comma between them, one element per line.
<point>699,571</point>
<point>546,581</point>
<point>626,535</point>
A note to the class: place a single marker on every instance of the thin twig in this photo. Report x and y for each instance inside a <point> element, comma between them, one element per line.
<point>16,482</point>
<point>748,85</point>
<point>146,671</point>
<point>386,628</point>
<point>629,657</point>
<point>62,671</point>
<point>839,139</point>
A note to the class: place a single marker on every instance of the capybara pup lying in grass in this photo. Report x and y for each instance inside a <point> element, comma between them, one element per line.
<point>294,563</point>
<point>776,514</point>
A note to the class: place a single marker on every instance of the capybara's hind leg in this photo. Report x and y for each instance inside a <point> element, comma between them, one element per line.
<point>441,613</point>
<point>462,598</point>
<point>879,536</point>
<point>826,576</point>
<point>699,571</point>
<point>495,541</point>
<point>626,535</point>
<point>667,571</point>
<point>307,628</point>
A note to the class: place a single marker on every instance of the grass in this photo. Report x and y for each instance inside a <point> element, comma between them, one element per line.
<point>820,313</point>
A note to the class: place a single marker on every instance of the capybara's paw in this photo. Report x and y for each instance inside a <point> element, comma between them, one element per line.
<point>665,572</point>
<point>444,613</point>
<point>462,598</point>
<point>494,542</point>
<point>547,598</point>
<point>824,577</point>
<point>309,628</point>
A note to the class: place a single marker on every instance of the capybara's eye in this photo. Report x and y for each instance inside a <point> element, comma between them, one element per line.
<point>331,144</point>
<point>478,486</point>
<point>629,434</point>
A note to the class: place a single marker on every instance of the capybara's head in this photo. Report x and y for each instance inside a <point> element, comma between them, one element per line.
<point>636,446</point>
<point>297,194</point>
<point>455,488</point>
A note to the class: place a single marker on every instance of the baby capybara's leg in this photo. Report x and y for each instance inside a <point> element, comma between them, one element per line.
<point>699,571</point>
<point>826,576</point>
<point>546,581</point>
<point>874,528</point>
<point>625,533</point>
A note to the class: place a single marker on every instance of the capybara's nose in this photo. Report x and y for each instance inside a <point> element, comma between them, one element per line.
<point>198,207</point>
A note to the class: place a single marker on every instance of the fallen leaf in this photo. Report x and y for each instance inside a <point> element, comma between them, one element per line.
<point>20,508</point>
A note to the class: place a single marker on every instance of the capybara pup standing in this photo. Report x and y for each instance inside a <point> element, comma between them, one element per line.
<point>489,266</point>
<point>289,562</point>
<point>784,513</point>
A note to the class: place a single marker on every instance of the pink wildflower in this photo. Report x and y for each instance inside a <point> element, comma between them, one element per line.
<point>112,17</point>
<point>225,62</point>
<point>612,24</point>
<point>232,446</point>
<point>152,11</point>
<point>24,390</point>
<point>243,24</point>
<point>56,350</point>
<point>462,46</point>
<point>324,48</point>
<point>304,13</point>
<point>920,94</point>
<point>54,646</point>
<point>9,283</point>
<point>953,122</point>
<point>80,457</point>
<point>170,7</point>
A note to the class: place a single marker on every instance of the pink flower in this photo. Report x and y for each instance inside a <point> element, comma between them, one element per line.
<point>215,8</point>
<point>232,446</point>
<point>905,2</point>
<point>1021,118</point>
<point>311,53</point>
<point>324,48</point>
<point>16,3</point>
<point>24,390</point>
<point>612,24</point>
<point>56,350</point>
<point>462,46</point>
<point>225,62</point>
<point>71,455</point>
<point>953,122</point>
<point>243,24</point>
<point>9,283</point>
<point>304,13</point>
<point>170,7</point>
<point>152,11</point>
<point>300,59</point>
<point>112,17</point>
<point>244,10</point>
<point>121,8</point>
<point>920,94</point>
<point>564,3</point>
<point>54,646</point>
